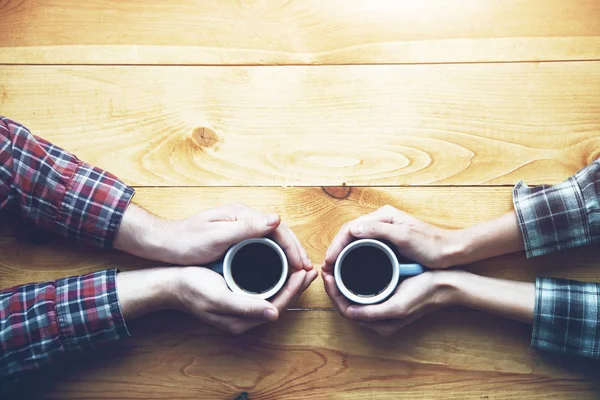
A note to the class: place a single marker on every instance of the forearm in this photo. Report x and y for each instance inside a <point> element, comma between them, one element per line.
<point>144,235</point>
<point>510,299</point>
<point>485,240</point>
<point>144,291</point>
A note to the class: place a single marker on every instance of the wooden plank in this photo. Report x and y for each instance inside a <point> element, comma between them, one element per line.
<point>453,354</point>
<point>332,125</point>
<point>315,216</point>
<point>297,32</point>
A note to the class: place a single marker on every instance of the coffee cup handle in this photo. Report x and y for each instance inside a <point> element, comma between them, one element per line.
<point>411,269</point>
<point>216,266</point>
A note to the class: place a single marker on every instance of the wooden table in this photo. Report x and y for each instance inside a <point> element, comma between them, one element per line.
<point>321,110</point>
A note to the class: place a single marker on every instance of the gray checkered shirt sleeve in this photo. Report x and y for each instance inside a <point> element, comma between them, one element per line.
<point>566,317</point>
<point>554,218</point>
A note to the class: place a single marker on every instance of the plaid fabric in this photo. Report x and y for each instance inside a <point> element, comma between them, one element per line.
<point>51,189</point>
<point>566,317</point>
<point>41,321</point>
<point>554,218</point>
<point>562,216</point>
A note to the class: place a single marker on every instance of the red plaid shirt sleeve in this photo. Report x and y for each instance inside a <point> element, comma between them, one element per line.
<point>39,322</point>
<point>51,189</point>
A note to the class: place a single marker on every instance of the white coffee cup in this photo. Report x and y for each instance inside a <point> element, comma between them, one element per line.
<point>351,271</point>
<point>241,274</point>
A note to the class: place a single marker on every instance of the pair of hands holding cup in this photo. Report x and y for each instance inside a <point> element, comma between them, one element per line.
<point>205,238</point>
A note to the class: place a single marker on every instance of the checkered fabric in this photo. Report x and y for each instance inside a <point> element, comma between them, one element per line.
<point>554,218</point>
<point>51,189</point>
<point>41,321</point>
<point>566,317</point>
<point>559,217</point>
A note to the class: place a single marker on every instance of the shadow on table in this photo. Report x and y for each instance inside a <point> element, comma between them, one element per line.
<point>163,329</point>
<point>40,384</point>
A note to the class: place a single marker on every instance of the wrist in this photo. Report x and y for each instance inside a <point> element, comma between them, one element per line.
<point>143,291</point>
<point>485,240</point>
<point>451,287</point>
<point>145,235</point>
<point>457,245</point>
<point>511,299</point>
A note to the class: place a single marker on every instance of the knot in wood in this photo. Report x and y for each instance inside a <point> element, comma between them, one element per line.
<point>206,138</point>
<point>337,192</point>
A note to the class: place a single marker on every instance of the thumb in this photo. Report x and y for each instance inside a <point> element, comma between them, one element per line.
<point>248,306</point>
<point>373,229</point>
<point>248,228</point>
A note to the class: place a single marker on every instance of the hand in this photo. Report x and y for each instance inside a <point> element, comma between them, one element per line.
<point>203,293</point>
<point>423,294</point>
<point>414,239</point>
<point>412,299</point>
<point>204,237</point>
<point>430,245</point>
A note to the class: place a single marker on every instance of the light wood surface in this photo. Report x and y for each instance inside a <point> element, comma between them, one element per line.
<point>213,32</point>
<point>321,111</point>
<point>355,125</point>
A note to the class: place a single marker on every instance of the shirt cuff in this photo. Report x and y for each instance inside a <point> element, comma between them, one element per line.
<point>566,317</point>
<point>93,206</point>
<point>551,218</point>
<point>40,322</point>
<point>88,311</point>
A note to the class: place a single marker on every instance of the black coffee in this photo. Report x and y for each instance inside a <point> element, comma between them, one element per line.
<point>366,271</point>
<point>256,268</point>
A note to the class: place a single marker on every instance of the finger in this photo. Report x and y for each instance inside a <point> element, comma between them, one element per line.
<point>285,239</point>
<point>230,212</point>
<point>386,213</point>
<point>374,312</point>
<point>289,291</point>
<point>345,236</point>
<point>305,260</point>
<point>308,280</point>
<point>246,228</point>
<point>341,240</point>
<point>337,298</point>
<point>246,306</point>
<point>283,231</point>
<point>327,267</point>
<point>375,229</point>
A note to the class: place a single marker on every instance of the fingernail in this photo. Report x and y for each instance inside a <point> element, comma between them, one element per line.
<point>271,219</point>
<point>357,229</point>
<point>270,314</point>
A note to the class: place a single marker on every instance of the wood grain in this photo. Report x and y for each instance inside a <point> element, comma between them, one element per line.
<point>315,216</point>
<point>331,125</point>
<point>200,103</point>
<point>213,32</point>
<point>453,354</point>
